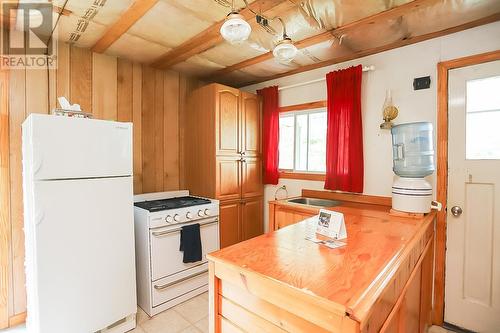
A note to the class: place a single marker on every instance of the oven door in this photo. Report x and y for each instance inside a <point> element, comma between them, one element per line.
<point>166,259</point>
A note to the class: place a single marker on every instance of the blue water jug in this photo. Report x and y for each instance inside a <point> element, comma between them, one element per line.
<point>413,149</point>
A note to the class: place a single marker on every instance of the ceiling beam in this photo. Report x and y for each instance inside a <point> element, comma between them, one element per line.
<point>210,37</point>
<point>389,14</point>
<point>363,53</point>
<point>136,10</point>
<point>61,11</point>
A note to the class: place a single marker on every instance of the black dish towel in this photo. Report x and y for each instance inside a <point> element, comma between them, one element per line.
<point>191,243</point>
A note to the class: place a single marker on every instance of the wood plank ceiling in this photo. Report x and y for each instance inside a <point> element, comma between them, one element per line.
<point>184,35</point>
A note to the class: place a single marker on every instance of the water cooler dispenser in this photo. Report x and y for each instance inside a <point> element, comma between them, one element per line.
<point>413,159</point>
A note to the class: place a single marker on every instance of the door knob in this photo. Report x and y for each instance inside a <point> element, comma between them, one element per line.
<point>456,211</point>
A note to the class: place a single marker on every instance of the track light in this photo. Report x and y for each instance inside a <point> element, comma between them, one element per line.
<point>285,51</point>
<point>235,29</point>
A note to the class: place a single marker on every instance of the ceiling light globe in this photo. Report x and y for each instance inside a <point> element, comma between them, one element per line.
<point>235,29</point>
<point>285,51</point>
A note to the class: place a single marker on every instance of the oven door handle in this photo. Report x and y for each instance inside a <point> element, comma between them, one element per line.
<point>167,232</point>
<point>192,276</point>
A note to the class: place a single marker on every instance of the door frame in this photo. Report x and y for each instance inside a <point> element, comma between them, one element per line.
<point>442,171</point>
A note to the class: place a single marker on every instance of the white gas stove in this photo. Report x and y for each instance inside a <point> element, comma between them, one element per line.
<point>163,280</point>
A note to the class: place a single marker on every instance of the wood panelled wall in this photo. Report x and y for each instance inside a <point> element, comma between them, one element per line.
<point>110,88</point>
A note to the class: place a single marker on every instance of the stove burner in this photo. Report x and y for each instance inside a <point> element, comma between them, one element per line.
<point>172,203</point>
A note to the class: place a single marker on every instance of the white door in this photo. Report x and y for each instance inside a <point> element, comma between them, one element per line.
<point>80,255</point>
<point>472,292</point>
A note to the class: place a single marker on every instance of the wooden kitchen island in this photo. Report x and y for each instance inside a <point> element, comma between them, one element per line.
<point>280,282</point>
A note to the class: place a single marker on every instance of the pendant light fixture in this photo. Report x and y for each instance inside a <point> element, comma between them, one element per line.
<point>235,29</point>
<point>284,51</point>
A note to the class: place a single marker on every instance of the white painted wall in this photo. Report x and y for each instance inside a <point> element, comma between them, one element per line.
<point>395,70</point>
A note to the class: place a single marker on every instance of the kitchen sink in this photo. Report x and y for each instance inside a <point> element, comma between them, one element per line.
<point>315,202</point>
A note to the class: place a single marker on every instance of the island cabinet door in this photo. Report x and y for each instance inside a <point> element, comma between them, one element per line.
<point>412,311</point>
<point>252,218</point>
<point>407,315</point>
<point>229,223</point>
<point>286,217</point>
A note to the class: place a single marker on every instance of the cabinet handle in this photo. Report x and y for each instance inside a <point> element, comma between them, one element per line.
<point>163,233</point>
<point>242,160</point>
<point>157,287</point>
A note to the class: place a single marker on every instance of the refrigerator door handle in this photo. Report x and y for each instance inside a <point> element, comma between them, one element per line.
<point>39,218</point>
<point>37,165</point>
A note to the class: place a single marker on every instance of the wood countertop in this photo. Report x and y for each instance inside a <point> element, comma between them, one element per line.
<point>362,208</point>
<point>347,280</point>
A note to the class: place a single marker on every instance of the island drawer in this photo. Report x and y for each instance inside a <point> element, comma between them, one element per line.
<point>242,308</point>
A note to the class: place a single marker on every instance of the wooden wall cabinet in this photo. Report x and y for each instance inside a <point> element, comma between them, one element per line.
<point>228,177</point>
<point>230,223</point>
<point>251,116</point>
<point>240,220</point>
<point>227,119</point>
<point>223,157</point>
<point>252,210</point>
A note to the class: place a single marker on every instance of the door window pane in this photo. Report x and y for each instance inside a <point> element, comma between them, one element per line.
<point>483,119</point>
<point>483,94</point>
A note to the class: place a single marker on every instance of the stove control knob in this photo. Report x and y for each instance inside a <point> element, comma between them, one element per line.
<point>177,218</point>
<point>200,213</point>
<point>189,216</point>
<point>207,212</point>
<point>169,219</point>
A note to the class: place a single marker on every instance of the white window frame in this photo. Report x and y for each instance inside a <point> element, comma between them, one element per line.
<point>295,114</point>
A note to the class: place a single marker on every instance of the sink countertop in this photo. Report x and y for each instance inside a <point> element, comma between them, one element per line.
<point>343,203</point>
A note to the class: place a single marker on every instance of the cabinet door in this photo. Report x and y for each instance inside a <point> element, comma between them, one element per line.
<point>228,119</point>
<point>228,178</point>
<point>251,169</point>
<point>426,289</point>
<point>284,217</point>
<point>405,316</point>
<point>251,124</point>
<point>252,218</point>
<point>229,223</point>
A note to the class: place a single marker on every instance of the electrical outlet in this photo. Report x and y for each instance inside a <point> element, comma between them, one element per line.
<point>421,83</point>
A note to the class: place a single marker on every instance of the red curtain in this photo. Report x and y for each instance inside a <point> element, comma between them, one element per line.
<point>344,137</point>
<point>270,133</point>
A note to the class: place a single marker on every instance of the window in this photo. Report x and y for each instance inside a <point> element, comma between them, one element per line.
<point>302,146</point>
<point>483,117</point>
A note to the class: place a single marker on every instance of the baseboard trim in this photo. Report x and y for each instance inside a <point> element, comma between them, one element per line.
<point>17,319</point>
<point>456,329</point>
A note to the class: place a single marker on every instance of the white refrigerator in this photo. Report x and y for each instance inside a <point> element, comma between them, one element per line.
<point>78,223</point>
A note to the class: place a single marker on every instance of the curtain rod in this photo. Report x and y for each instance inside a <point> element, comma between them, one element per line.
<point>365,69</point>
